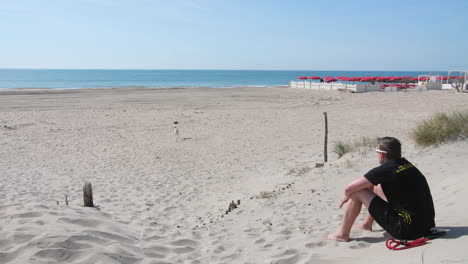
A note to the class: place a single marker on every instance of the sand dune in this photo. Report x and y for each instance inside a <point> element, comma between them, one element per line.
<point>164,201</point>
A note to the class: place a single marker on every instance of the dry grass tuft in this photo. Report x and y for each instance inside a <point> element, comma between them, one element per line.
<point>441,128</point>
<point>343,147</point>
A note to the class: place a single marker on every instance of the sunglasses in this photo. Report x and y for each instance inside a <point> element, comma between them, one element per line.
<point>380,151</point>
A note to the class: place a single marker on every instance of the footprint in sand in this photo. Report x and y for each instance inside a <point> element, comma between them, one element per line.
<point>151,238</point>
<point>287,252</point>
<point>110,236</point>
<point>288,260</point>
<point>59,255</point>
<point>26,215</point>
<point>260,241</point>
<point>123,257</point>
<point>78,221</point>
<point>73,243</point>
<point>153,254</point>
<point>39,222</point>
<point>160,249</point>
<point>185,242</point>
<point>316,244</point>
<point>18,239</point>
<point>219,249</point>
<point>183,250</point>
<point>359,245</point>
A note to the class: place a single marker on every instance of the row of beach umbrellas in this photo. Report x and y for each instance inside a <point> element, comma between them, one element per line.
<point>329,79</point>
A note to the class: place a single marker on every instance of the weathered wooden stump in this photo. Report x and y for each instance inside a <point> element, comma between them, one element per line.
<point>325,153</point>
<point>88,195</point>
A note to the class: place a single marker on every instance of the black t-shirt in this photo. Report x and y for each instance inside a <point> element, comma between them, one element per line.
<point>405,188</point>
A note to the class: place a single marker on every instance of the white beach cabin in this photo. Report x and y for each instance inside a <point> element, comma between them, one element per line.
<point>439,82</point>
<point>460,81</point>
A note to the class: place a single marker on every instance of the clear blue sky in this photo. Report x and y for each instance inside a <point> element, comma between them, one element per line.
<point>234,34</point>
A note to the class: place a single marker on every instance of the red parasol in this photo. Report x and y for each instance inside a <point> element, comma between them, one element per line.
<point>314,78</point>
<point>382,78</point>
<point>302,78</point>
<point>368,79</point>
<point>442,78</point>
<point>331,79</point>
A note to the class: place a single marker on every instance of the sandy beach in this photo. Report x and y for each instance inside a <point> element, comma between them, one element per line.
<point>162,199</point>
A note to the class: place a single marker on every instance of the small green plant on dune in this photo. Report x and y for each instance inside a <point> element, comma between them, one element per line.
<point>343,147</point>
<point>441,128</point>
<point>367,142</point>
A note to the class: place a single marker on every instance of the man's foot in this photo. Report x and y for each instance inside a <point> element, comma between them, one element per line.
<point>338,237</point>
<point>365,227</point>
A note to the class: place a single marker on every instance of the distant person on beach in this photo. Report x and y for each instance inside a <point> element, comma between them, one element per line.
<point>176,130</point>
<point>396,194</point>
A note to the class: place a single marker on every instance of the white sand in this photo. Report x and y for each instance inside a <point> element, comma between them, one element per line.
<point>163,201</point>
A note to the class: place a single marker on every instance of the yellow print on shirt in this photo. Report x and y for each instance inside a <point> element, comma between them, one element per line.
<point>404,167</point>
<point>406,217</point>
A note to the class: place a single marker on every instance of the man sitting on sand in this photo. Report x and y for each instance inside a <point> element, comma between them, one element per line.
<point>396,194</point>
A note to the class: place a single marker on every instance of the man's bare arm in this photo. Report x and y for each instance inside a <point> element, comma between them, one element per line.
<point>357,185</point>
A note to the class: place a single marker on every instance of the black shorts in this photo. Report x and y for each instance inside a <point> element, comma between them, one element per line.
<point>389,220</point>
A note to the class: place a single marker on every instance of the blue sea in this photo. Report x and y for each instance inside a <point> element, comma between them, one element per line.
<point>73,79</point>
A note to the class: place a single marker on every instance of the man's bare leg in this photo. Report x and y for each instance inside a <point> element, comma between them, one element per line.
<point>368,220</point>
<point>366,223</point>
<point>351,212</point>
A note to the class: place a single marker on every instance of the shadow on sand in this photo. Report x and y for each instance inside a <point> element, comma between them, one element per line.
<point>452,232</point>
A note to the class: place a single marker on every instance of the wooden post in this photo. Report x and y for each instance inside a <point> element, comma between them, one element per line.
<point>66,199</point>
<point>88,195</point>
<point>325,155</point>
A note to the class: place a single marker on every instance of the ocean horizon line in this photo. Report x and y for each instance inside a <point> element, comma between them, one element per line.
<point>136,69</point>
